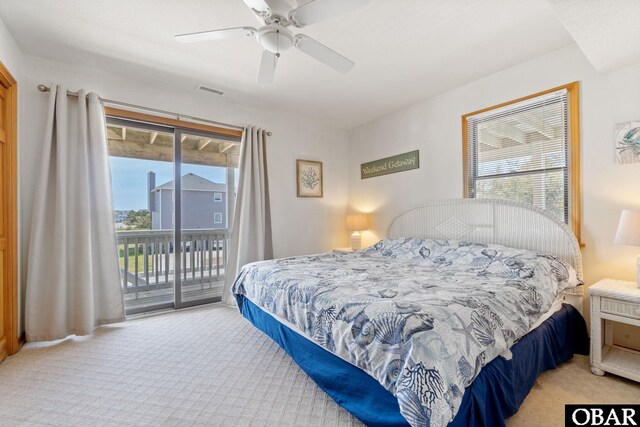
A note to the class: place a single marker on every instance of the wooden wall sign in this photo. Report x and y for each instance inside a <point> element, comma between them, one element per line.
<point>399,163</point>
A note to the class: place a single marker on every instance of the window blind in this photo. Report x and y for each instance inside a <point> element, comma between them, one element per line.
<point>520,152</point>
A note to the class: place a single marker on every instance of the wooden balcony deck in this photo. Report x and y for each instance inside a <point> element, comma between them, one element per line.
<point>148,266</point>
<point>156,297</point>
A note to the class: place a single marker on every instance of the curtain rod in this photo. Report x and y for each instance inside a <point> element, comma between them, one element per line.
<point>44,88</point>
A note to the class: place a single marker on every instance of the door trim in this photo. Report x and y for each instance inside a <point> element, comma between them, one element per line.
<point>10,290</point>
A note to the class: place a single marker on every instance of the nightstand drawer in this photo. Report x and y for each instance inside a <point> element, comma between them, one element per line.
<point>621,308</point>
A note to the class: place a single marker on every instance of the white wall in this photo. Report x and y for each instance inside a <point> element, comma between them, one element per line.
<point>434,127</point>
<point>10,54</point>
<point>300,225</point>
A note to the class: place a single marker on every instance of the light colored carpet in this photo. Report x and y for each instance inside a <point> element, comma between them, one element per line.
<point>572,382</point>
<point>209,366</point>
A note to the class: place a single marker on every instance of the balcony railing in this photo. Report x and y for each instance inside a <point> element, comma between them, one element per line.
<point>147,260</point>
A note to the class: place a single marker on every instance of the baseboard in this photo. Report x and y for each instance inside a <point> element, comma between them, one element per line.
<point>21,341</point>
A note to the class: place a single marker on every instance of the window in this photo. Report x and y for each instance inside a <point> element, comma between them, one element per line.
<point>527,150</point>
<point>163,175</point>
<point>217,197</point>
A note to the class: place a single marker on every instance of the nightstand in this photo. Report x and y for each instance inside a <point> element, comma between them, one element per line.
<point>342,250</point>
<point>617,301</point>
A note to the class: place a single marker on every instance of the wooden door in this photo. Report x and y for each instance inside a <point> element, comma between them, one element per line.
<point>8,210</point>
<point>3,237</point>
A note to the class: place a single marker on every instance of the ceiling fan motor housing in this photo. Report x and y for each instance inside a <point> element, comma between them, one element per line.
<point>275,38</point>
<point>281,7</point>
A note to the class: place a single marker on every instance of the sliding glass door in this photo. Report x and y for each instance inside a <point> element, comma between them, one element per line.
<point>174,192</point>
<point>205,176</point>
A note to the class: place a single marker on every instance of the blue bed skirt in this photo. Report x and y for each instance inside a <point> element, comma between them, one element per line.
<point>494,395</point>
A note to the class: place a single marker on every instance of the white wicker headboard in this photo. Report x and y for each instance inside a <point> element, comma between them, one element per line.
<point>490,221</point>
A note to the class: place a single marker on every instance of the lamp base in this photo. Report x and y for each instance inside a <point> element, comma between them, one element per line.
<point>356,241</point>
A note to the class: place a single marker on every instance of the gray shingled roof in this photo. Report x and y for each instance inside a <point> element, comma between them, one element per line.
<point>192,181</point>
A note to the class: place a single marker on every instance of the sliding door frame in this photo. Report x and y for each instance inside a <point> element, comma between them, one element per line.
<point>154,128</point>
<point>177,133</point>
<point>177,226</point>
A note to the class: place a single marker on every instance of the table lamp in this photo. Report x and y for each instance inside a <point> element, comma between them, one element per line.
<point>357,223</point>
<point>629,233</point>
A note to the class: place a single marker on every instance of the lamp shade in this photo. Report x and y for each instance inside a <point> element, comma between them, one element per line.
<point>629,228</point>
<point>357,222</point>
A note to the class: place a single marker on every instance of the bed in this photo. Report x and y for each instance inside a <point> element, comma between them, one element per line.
<point>448,321</point>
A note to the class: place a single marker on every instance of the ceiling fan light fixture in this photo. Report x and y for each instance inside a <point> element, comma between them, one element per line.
<point>275,38</point>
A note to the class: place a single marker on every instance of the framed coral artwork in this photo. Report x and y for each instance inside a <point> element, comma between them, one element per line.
<point>309,178</point>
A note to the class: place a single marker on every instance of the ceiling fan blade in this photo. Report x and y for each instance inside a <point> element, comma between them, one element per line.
<point>226,33</point>
<point>267,67</point>
<point>323,54</point>
<point>257,5</point>
<point>318,10</point>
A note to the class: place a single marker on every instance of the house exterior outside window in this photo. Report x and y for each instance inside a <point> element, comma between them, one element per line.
<point>199,194</point>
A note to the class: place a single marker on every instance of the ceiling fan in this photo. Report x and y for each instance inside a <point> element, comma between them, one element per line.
<point>274,36</point>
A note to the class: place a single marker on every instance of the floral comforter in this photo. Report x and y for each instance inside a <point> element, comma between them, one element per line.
<point>420,316</point>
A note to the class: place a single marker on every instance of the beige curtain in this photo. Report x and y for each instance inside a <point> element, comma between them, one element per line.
<point>251,231</point>
<point>73,276</point>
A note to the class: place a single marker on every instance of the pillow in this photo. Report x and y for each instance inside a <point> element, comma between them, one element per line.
<point>438,251</point>
<point>403,247</point>
<point>478,258</point>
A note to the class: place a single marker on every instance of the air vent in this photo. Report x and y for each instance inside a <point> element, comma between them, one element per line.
<point>211,90</point>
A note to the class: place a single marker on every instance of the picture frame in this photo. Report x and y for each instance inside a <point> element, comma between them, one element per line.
<point>627,142</point>
<point>309,181</point>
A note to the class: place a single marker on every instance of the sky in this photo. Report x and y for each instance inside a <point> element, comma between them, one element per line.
<point>129,179</point>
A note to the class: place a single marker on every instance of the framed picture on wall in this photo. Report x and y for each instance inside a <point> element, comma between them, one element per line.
<point>627,140</point>
<point>309,178</point>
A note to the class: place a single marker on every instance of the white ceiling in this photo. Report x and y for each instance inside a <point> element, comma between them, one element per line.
<point>405,50</point>
<point>607,31</point>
